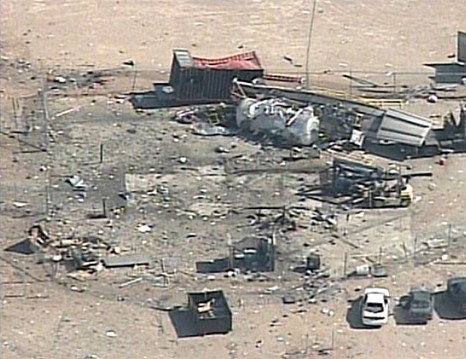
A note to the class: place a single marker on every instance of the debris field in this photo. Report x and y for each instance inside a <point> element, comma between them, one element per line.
<point>224,207</point>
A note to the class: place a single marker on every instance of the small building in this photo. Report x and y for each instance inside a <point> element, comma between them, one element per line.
<point>449,73</point>
<point>453,72</point>
<point>210,312</point>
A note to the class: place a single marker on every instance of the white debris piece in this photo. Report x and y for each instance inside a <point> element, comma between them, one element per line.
<point>19,204</point>
<point>144,228</point>
<point>277,117</point>
<point>77,183</point>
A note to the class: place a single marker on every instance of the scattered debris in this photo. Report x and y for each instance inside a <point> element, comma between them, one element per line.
<point>279,118</point>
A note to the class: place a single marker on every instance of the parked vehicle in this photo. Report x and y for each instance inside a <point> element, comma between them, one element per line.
<point>375,307</point>
<point>418,305</point>
<point>456,289</point>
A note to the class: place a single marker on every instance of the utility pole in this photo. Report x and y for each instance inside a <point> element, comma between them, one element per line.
<point>309,37</point>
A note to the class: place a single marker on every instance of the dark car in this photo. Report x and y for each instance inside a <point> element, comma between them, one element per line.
<point>456,289</point>
<point>418,305</point>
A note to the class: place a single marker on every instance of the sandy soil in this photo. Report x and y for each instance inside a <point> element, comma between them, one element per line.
<point>46,320</point>
<point>366,35</point>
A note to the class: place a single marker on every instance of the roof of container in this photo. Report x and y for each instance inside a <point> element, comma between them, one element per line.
<point>243,61</point>
<point>183,57</point>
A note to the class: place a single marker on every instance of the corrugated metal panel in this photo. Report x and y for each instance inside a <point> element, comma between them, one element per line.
<point>405,128</point>
<point>210,79</point>
<point>193,83</point>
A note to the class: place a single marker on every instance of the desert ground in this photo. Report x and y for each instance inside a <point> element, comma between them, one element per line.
<point>45,313</point>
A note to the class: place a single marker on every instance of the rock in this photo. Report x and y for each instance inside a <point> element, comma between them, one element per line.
<point>144,228</point>
<point>288,299</point>
<point>221,149</point>
<point>327,312</point>
<point>432,98</point>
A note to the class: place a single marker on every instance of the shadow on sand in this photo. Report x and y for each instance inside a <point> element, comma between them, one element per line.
<point>353,315</point>
<point>183,323</point>
<point>445,308</point>
<point>22,247</point>
<point>401,317</point>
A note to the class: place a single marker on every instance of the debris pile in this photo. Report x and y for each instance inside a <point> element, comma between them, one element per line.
<point>277,117</point>
<point>90,253</point>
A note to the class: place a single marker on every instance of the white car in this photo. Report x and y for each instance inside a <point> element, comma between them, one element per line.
<point>375,307</point>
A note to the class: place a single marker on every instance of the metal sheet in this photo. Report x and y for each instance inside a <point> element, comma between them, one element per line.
<point>450,73</point>
<point>404,128</point>
<point>461,46</point>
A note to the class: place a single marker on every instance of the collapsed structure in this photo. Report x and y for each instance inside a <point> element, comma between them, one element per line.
<point>301,117</point>
<point>391,133</point>
<point>361,185</point>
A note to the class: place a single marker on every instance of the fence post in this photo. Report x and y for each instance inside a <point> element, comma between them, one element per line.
<point>345,263</point>
<point>449,236</point>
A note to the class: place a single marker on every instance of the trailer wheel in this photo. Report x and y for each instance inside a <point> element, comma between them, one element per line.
<point>405,203</point>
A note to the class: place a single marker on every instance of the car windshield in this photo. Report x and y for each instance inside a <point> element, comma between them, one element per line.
<point>374,307</point>
<point>419,304</point>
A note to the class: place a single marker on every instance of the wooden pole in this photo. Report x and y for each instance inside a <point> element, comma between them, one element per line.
<point>345,263</point>
<point>449,235</point>
<point>104,207</point>
<point>307,342</point>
